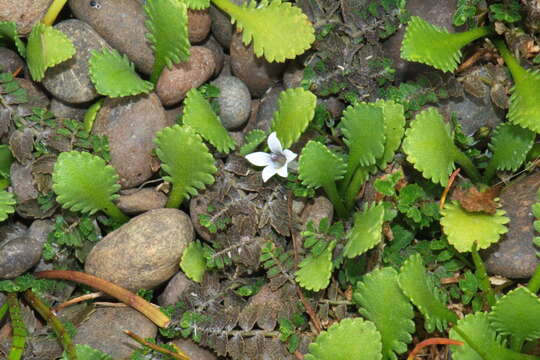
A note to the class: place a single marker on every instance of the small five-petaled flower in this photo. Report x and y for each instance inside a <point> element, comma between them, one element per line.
<point>274,163</point>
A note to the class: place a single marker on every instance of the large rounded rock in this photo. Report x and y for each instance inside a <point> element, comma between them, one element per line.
<point>173,84</point>
<point>257,73</point>
<point>198,25</point>
<point>70,81</point>
<point>222,28</point>
<point>217,50</point>
<point>104,330</point>
<point>143,253</point>
<point>10,61</point>
<point>139,201</point>
<point>130,124</point>
<point>25,13</point>
<point>121,24</point>
<point>234,101</point>
<point>18,251</point>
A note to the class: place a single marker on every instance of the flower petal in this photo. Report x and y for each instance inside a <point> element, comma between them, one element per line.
<point>268,172</point>
<point>259,158</point>
<point>274,144</point>
<point>282,171</point>
<point>289,155</point>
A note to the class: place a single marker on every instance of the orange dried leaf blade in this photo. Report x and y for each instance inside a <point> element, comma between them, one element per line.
<point>474,200</point>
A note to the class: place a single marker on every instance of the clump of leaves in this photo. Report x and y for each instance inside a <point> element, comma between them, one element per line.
<point>8,29</point>
<point>509,11</point>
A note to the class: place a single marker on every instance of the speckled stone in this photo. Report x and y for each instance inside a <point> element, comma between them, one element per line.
<point>64,110</point>
<point>25,13</point>
<point>198,25</point>
<point>234,101</point>
<point>10,61</point>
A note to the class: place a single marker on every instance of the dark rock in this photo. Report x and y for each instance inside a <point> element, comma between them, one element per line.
<point>334,106</point>
<point>10,61</point>
<point>219,56</point>
<point>139,201</point>
<point>70,81</point>
<point>234,101</point>
<point>21,144</point>
<point>198,25</point>
<point>130,124</point>
<point>263,117</point>
<point>121,24</point>
<point>257,73</point>
<point>319,209</point>
<point>22,182</point>
<point>36,97</point>
<point>293,75</point>
<point>226,70</point>
<point>174,289</point>
<point>193,351</point>
<point>23,12</point>
<point>149,245</point>
<point>222,28</point>
<point>173,84</point>
<point>174,114</point>
<point>515,255</point>
<point>104,330</point>
<point>18,251</point>
<point>64,110</point>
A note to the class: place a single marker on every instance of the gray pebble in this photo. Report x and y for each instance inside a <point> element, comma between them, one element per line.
<point>139,201</point>
<point>18,251</point>
<point>63,110</point>
<point>10,61</point>
<point>222,28</point>
<point>234,101</point>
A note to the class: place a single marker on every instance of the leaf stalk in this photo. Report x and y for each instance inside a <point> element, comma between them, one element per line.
<point>534,282</point>
<point>466,163</point>
<point>18,341</point>
<point>53,11</point>
<point>332,192</point>
<point>482,276</point>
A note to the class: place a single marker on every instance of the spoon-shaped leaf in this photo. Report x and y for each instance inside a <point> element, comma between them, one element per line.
<point>47,47</point>
<point>84,182</point>
<point>524,108</point>
<point>351,338</point>
<point>7,204</point>
<point>510,145</point>
<point>463,228</point>
<point>414,282</point>
<point>430,148</point>
<point>198,114</point>
<point>435,46</point>
<point>315,270</point>
<point>193,262</point>
<point>186,159</point>
<point>394,128</point>
<point>114,75</point>
<point>8,29</point>
<point>366,231</point>
<point>296,108</point>
<point>168,33</point>
<point>197,4</point>
<point>279,30</point>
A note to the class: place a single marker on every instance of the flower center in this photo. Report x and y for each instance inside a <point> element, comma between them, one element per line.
<point>278,159</point>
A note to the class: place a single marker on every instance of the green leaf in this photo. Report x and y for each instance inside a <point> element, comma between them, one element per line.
<point>518,314</point>
<point>463,228</point>
<point>510,145</point>
<point>394,128</point>
<point>363,129</point>
<point>8,29</point>
<point>114,75</point>
<point>429,146</point>
<point>315,271</point>
<point>7,204</point>
<point>279,30</point>
<point>84,182</point>
<point>315,156</point>
<point>296,108</point>
<point>198,114</point>
<point>435,46</point>
<point>413,281</point>
<point>193,262</point>
<point>186,159</point>
<point>366,231</point>
<point>168,33</point>
<point>47,47</point>
<point>197,4</point>
<point>252,140</point>
<point>524,108</point>
<point>393,319</point>
<point>349,339</point>
<point>483,337</point>
<point>86,352</point>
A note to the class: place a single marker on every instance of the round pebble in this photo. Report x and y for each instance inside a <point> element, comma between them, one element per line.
<point>234,101</point>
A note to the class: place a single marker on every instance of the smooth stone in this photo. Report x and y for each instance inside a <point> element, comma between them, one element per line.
<point>193,350</point>
<point>143,253</point>
<point>22,182</point>
<point>258,74</point>
<point>36,97</point>
<point>267,107</point>
<point>40,229</point>
<point>234,101</point>
<point>21,143</point>
<point>198,25</point>
<point>64,110</point>
<point>317,210</point>
<point>70,81</point>
<point>514,256</point>
<point>221,25</point>
<point>104,330</point>
<point>25,13</point>
<point>174,289</point>
<point>142,200</point>
<point>217,50</point>
<point>18,251</point>
<point>121,24</point>
<point>173,84</point>
<point>130,124</point>
<point>10,61</point>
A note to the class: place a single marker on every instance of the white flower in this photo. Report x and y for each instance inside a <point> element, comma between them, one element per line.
<point>276,162</point>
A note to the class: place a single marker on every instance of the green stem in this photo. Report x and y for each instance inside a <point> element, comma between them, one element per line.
<point>53,11</point>
<point>482,276</point>
<point>518,73</point>
<point>490,171</point>
<point>466,163</point>
<point>91,114</point>
<point>483,354</point>
<point>360,176</point>
<point>19,329</point>
<point>534,282</point>
<point>333,195</point>
<point>472,34</point>
<point>114,212</point>
<point>3,310</point>
<point>55,323</point>
<point>175,198</point>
